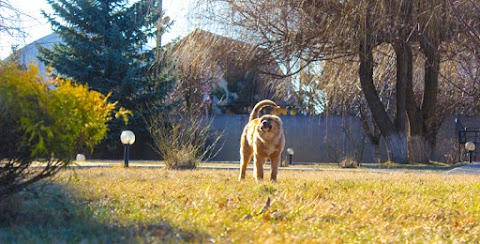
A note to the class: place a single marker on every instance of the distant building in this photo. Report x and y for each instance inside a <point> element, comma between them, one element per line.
<point>29,53</point>
<point>232,75</point>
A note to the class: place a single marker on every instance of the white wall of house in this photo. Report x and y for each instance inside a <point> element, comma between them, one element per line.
<point>30,52</point>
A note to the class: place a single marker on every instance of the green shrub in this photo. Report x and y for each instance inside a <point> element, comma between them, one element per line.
<point>45,125</point>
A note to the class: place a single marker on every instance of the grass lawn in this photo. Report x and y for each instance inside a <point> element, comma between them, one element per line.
<point>156,205</point>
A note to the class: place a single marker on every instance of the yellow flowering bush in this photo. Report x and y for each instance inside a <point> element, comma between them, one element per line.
<point>46,121</point>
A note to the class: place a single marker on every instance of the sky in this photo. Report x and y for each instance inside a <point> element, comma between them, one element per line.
<point>36,26</point>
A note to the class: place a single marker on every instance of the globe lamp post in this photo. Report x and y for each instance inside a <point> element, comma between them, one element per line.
<point>290,153</point>
<point>470,147</point>
<point>128,138</point>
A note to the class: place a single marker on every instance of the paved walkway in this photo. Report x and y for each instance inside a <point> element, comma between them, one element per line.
<point>469,169</point>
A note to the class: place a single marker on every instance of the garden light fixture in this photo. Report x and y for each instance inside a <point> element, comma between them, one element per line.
<point>290,153</point>
<point>128,138</point>
<point>470,147</point>
<point>80,157</point>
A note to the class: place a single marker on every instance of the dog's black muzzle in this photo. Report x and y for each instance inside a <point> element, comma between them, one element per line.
<point>266,125</point>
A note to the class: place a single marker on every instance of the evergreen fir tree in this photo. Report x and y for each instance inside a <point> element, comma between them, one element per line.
<point>104,46</point>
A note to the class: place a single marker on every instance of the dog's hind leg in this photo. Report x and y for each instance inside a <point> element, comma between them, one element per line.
<point>245,157</point>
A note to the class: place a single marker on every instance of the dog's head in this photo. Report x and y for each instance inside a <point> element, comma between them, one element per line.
<point>270,123</point>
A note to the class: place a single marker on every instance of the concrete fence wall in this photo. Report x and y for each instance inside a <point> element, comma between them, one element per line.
<point>333,138</point>
<point>313,138</point>
<point>317,139</point>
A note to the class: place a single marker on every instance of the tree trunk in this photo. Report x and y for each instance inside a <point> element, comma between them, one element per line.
<point>396,144</point>
<point>404,74</point>
<point>396,148</point>
<point>376,153</point>
<point>158,51</point>
<point>417,149</point>
<point>373,134</point>
<point>432,68</point>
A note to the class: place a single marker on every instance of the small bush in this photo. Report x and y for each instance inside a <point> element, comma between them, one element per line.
<point>45,125</point>
<point>450,149</point>
<point>349,163</point>
<point>183,140</point>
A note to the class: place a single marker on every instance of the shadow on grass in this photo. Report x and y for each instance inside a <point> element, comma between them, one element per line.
<point>420,167</point>
<point>50,214</point>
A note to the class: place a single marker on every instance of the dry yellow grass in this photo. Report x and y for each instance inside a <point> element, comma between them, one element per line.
<point>148,205</point>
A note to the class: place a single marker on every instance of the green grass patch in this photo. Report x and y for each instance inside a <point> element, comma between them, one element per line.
<point>157,205</point>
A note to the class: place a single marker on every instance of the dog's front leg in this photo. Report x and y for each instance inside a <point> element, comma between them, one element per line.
<point>258,170</point>
<point>275,163</point>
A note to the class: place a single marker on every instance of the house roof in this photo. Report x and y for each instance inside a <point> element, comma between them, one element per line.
<point>206,49</point>
<point>29,53</point>
<point>201,51</point>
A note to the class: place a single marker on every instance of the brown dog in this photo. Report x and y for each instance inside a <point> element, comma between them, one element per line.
<point>262,138</point>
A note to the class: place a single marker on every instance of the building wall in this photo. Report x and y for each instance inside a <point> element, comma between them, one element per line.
<point>313,138</point>
<point>30,52</point>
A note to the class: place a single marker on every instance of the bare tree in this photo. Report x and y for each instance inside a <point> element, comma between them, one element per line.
<point>340,81</point>
<point>300,32</point>
<point>9,16</point>
<point>467,12</point>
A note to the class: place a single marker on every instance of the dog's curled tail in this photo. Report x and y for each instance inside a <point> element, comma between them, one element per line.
<point>256,110</point>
